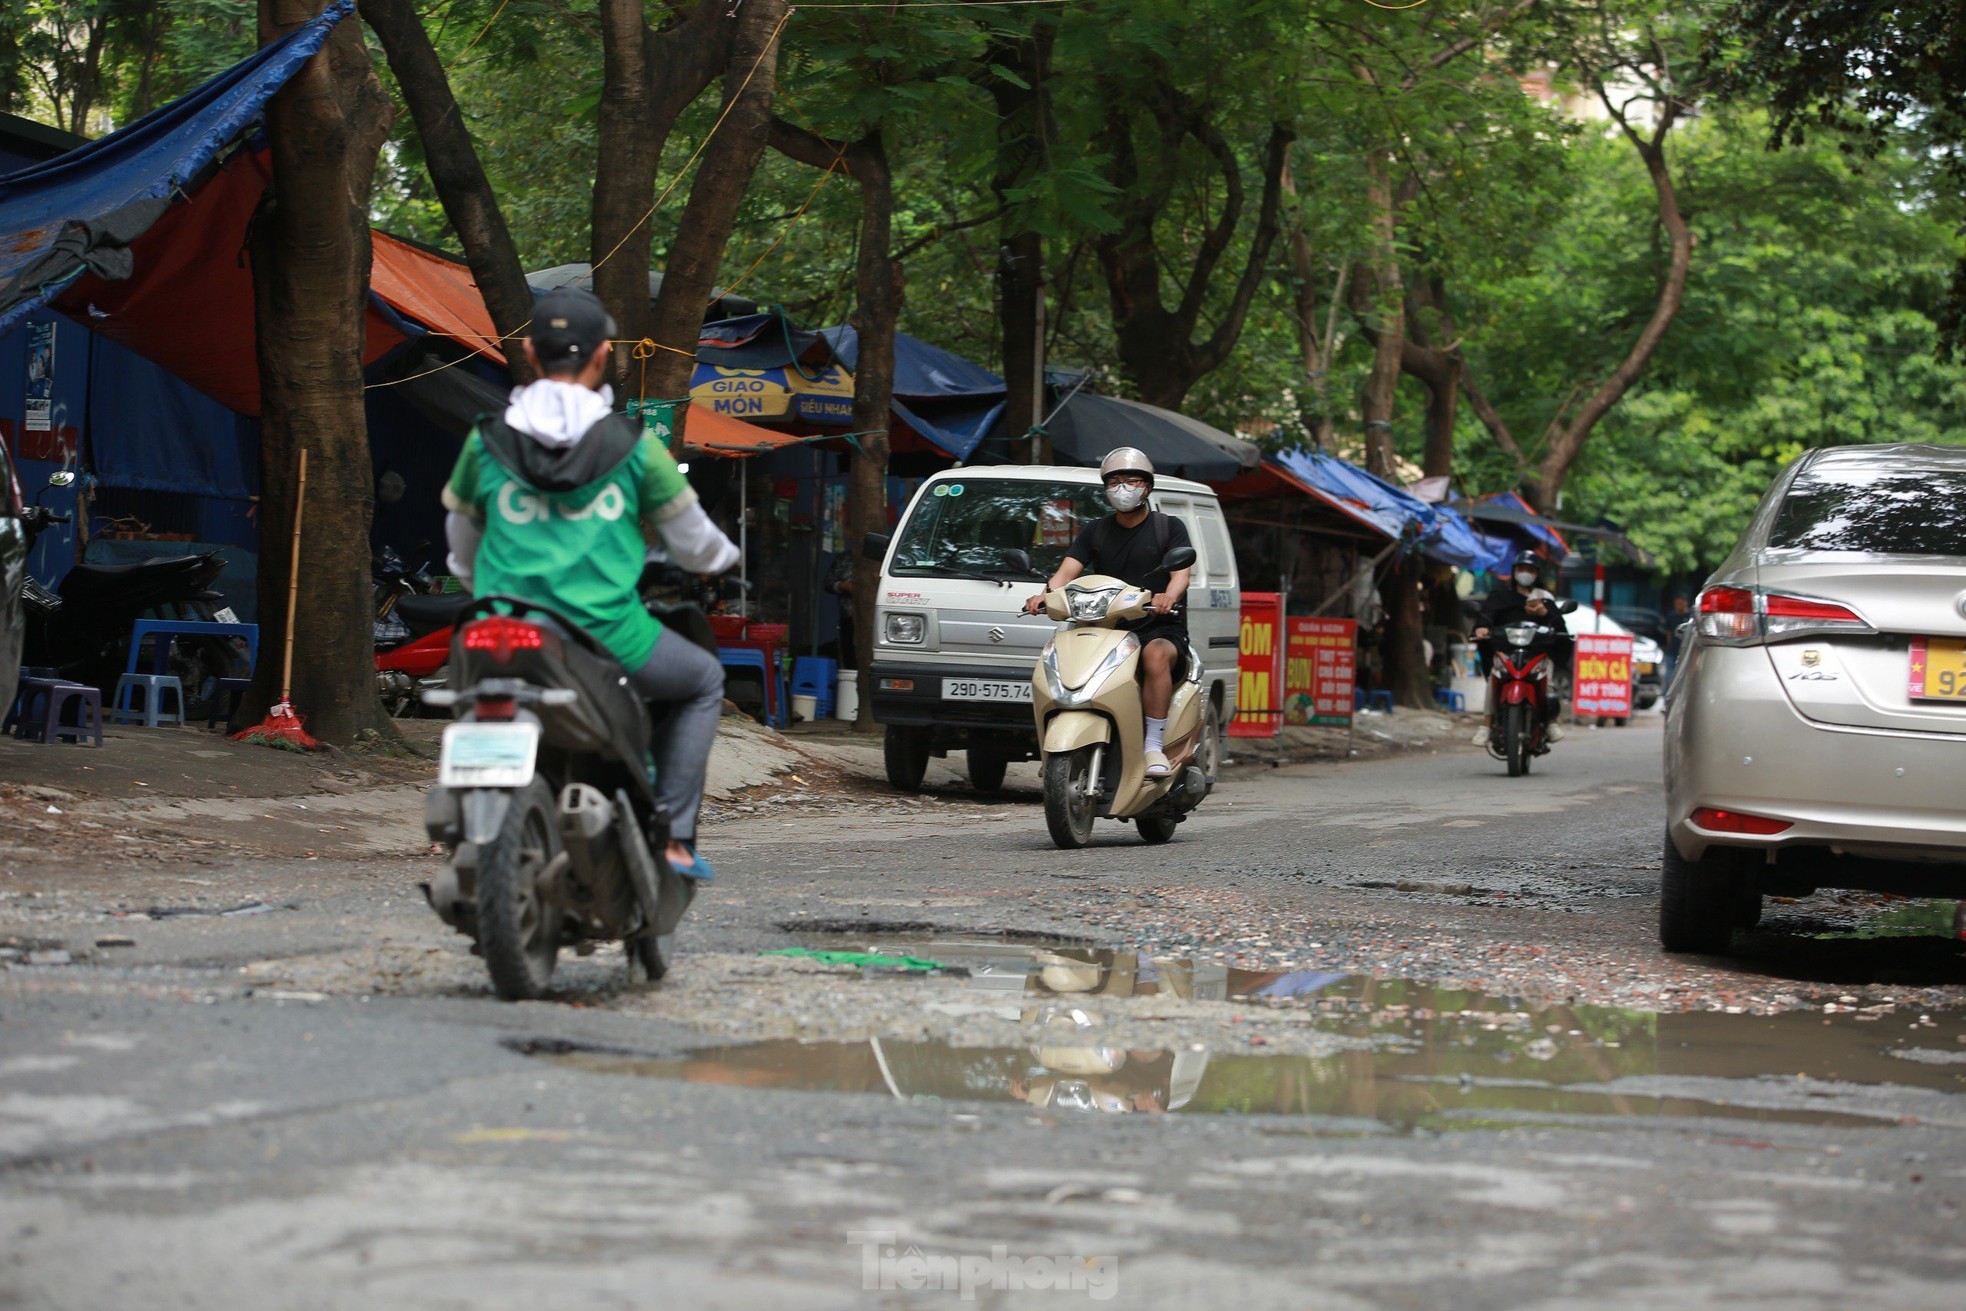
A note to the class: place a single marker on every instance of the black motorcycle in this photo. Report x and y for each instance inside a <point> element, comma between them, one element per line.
<point>81,628</point>
<point>544,798</point>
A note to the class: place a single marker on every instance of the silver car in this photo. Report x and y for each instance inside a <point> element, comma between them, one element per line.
<point>1816,722</point>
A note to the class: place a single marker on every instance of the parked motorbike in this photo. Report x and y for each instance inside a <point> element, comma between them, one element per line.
<point>1085,693</point>
<point>81,628</point>
<point>544,801</point>
<point>1521,689</point>
<point>417,664</point>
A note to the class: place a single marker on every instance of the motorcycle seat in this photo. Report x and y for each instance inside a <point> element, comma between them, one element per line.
<point>427,614</point>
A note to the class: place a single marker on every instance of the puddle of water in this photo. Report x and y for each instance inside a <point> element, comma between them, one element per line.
<point>1914,919</point>
<point>1411,1056</point>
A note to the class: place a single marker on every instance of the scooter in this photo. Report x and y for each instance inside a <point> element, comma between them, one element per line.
<point>405,671</point>
<point>1520,688</point>
<point>1085,694</point>
<point>544,800</point>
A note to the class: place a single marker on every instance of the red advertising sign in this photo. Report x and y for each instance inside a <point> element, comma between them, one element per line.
<point>1602,683</point>
<point>1320,670</point>
<point>1259,667</point>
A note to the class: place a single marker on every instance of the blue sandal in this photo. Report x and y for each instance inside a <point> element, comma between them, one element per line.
<point>697,869</point>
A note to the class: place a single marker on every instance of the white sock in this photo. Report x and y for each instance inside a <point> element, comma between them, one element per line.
<point>1155,727</point>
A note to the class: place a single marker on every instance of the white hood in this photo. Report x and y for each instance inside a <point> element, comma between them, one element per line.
<point>557,414</point>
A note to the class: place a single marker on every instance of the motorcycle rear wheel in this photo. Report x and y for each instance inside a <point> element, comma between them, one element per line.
<point>1515,739</point>
<point>1068,798</point>
<point>518,930</point>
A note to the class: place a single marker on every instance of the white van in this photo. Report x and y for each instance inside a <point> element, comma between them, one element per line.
<point>953,650</point>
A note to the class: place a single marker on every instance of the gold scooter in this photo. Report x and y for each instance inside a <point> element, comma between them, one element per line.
<point>1085,692</point>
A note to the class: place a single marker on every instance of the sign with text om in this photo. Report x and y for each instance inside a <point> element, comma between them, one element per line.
<point>1320,670</point>
<point>1259,667</point>
<point>1602,681</point>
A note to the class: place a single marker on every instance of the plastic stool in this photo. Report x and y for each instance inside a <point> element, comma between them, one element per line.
<point>227,694</point>
<point>738,657</point>
<point>153,687</point>
<point>39,710</point>
<point>818,678</point>
<point>1379,699</point>
<point>1448,699</point>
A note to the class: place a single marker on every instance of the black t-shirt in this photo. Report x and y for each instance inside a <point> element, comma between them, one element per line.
<point>1133,555</point>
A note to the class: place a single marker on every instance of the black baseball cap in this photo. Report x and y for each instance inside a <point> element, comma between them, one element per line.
<point>569,326</point>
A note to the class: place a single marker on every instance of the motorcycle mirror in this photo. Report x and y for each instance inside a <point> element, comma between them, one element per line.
<point>1566,607</point>
<point>1018,560</point>
<point>1181,557</point>
<point>62,478</point>
<point>874,545</point>
<point>390,487</point>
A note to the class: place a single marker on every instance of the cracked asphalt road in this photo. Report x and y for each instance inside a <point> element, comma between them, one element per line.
<point>1479,1083</point>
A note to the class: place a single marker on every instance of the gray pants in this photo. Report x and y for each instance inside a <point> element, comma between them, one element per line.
<point>681,672</point>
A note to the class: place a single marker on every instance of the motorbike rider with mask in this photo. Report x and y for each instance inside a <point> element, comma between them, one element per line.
<point>1518,601</point>
<point>556,500</point>
<point>1129,545</point>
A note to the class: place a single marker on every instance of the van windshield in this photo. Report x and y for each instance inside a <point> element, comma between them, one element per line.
<point>964,528</point>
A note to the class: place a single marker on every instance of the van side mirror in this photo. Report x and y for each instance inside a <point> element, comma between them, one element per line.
<point>874,546</point>
<point>1019,560</point>
<point>1181,557</point>
<point>1566,607</point>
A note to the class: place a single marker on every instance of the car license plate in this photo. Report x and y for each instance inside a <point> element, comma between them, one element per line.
<point>1938,669</point>
<point>984,689</point>
<point>488,755</point>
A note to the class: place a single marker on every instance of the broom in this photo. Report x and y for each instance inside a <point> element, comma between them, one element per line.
<point>282,727</point>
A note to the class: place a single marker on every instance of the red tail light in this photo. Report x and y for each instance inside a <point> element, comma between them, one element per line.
<point>499,637</point>
<point>1741,616</point>
<point>1731,821</point>
<point>496,709</point>
<point>1802,607</point>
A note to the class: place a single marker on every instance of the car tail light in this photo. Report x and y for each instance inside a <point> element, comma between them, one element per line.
<point>1744,616</point>
<point>499,637</point>
<point>1732,821</point>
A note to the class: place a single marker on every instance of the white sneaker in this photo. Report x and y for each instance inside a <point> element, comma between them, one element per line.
<point>1555,731</point>
<point>1156,764</point>
<point>1481,736</point>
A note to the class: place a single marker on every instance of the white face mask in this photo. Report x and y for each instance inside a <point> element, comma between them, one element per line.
<point>1525,577</point>
<point>1125,496</point>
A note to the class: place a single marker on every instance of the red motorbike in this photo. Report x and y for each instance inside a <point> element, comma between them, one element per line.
<point>1521,690</point>
<point>405,671</point>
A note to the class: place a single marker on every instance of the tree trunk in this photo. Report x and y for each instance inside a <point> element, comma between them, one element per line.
<point>457,174</point>
<point>648,79</point>
<point>310,256</point>
<point>703,234</point>
<point>1314,349</point>
<point>878,310</point>
<point>88,78</point>
<point>1024,136</point>
<point>1568,440</point>
<point>1388,309</point>
<point>1439,368</point>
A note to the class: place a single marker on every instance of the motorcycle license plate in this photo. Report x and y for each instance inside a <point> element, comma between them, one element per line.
<point>984,689</point>
<point>488,755</point>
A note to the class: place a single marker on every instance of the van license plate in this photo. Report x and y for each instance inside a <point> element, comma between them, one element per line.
<point>488,755</point>
<point>1938,669</point>
<point>983,689</point>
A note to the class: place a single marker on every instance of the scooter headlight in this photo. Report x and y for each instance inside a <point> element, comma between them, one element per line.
<point>1520,634</point>
<point>1054,682</point>
<point>1087,606</point>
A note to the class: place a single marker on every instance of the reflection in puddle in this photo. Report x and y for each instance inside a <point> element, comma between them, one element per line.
<point>1406,1055</point>
<point>1914,919</point>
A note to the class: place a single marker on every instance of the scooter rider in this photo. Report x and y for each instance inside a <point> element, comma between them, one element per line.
<point>555,501</point>
<point>1129,545</point>
<point>1521,600</point>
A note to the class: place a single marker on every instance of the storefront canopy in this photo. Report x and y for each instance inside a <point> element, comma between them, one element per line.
<point>1086,427</point>
<point>949,401</point>
<point>1393,511</point>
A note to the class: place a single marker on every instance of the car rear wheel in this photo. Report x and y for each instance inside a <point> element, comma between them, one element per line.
<point>1702,902</point>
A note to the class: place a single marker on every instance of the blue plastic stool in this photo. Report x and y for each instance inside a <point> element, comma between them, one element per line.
<point>1448,699</point>
<point>1379,699</point>
<point>38,711</point>
<point>153,687</point>
<point>818,678</point>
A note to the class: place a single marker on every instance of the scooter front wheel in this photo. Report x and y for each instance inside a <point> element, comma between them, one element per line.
<point>1068,797</point>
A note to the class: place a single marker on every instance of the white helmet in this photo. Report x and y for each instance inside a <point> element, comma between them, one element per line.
<point>1126,459</point>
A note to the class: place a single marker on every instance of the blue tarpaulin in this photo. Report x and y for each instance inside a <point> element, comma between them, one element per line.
<point>948,400</point>
<point>1442,534</point>
<point>79,211</point>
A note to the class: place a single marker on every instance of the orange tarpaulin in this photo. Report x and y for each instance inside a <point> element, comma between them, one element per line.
<point>433,291</point>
